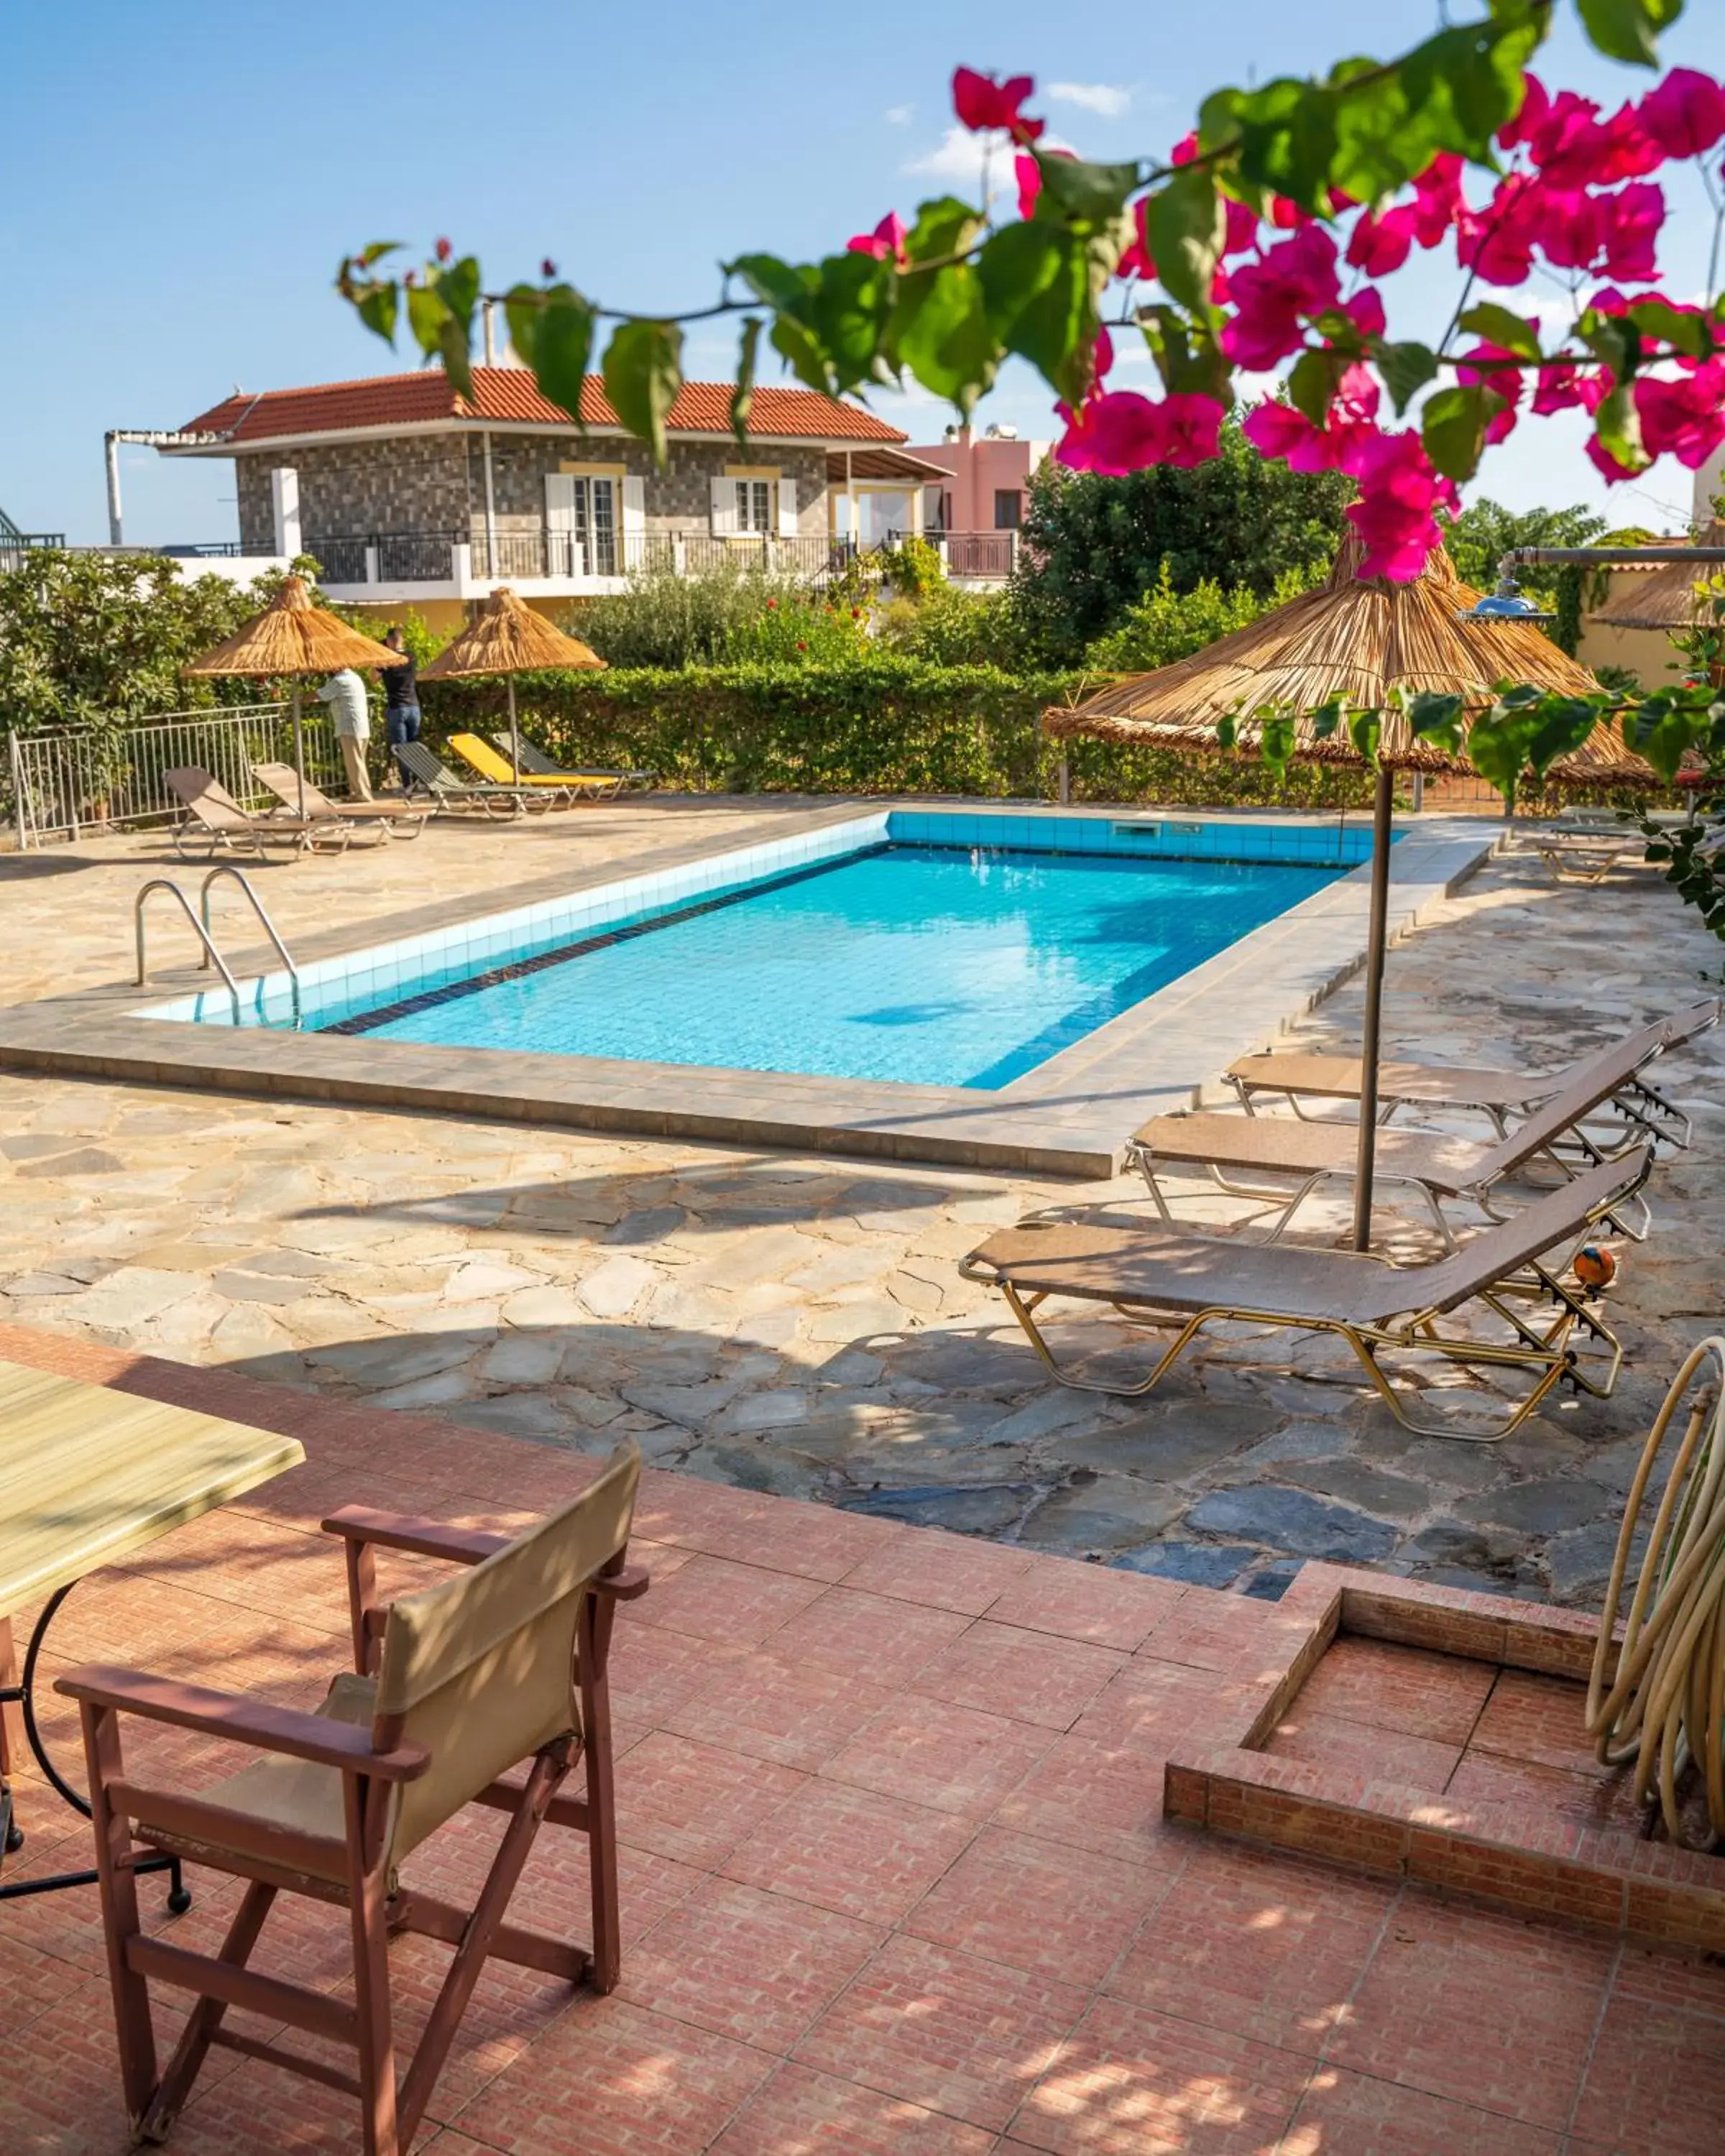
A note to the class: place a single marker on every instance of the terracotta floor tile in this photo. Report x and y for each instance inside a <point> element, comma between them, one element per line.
<point>1026,1676</point>
<point>1131,2082</point>
<point>868,1857</point>
<point>32,1981</point>
<point>654,1670</point>
<point>789,1712</point>
<point>1097,1797</point>
<point>1343,2114</point>
<point>1402,1688</point>
<point>824,1547</point>
<point>1351,1747</point>
<point>1210,1631</point>
<point>1259,1945</point>
<point>1099,1603</point>
<point>736,1604</point>
<point>696,1802</point>
<point>1486,2009</point>
<point>1149,1706</point>
<point>868,1636</point>
<point>953,1759</point>
<point>1655,2084</point>
<point>1667,1978</point>
<point>611,2078</point>
<point>945,1572</point>
<point>1540,1718</point>
<point>750,1964</point>
<point>1549,1792</point>
<point>801,2113</point>
<point>958,2035</point>
<point>1040,1906</point>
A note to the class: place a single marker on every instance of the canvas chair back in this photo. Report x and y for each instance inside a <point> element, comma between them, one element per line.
<point>414,756</point>
<point>484,759</point>
<point>1698,1019</point>
<point>481,1668</point>
<point>209,800</point>
<point>1491,1257</point>
<point>285,783</point>
<point>1591,1084</point>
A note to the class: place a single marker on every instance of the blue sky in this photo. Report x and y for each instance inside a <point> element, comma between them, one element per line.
<point>196,171</point>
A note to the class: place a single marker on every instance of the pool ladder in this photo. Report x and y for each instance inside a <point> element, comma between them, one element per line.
<point>200,925</point>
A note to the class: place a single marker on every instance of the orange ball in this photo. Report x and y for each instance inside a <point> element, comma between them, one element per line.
<point>1593,1267</point>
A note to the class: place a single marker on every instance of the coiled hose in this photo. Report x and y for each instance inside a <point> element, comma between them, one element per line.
<point>1659,1697</point>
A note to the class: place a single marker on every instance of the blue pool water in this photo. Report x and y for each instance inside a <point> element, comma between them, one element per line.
<point>930,964</point>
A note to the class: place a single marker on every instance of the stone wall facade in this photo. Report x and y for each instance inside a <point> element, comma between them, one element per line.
<point>437,482</point>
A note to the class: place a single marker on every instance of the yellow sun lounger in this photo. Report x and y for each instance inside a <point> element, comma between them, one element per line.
<point>479,756</point>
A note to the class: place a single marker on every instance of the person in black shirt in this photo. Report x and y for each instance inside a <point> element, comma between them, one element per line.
<point>401,700</point>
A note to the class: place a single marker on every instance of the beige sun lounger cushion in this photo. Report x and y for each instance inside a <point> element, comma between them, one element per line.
<point>209,802</point>
<point>1163,1270</point>
<point>1338,1077</point>
<point>284,782</point>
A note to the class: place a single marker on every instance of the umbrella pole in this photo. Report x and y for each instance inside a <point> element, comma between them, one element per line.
<point>514,732</point>
<point>299,751</point>
<point>1377,934</point>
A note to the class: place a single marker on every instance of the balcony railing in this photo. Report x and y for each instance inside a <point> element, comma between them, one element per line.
<point>990,556</point>
<point>17,546</point>
<point>431,558</point>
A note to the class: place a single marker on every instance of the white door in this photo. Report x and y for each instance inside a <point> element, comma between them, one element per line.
<point>581,524</point>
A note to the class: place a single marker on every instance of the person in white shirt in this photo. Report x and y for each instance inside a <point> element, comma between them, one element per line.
<point>345,694</point>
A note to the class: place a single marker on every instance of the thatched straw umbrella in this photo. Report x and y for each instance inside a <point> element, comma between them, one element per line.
<point>1669,599</point>
<point>509,638</point>
<point>1360,641</point>
<point>291,636</point>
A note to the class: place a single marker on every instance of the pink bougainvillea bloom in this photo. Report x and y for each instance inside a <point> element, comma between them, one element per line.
<point>1496,242</point>
<point>1192,429</point>
<point>1120,431</point>
<point>1438,199</point>
<point>1505,381</point>
<point>1535,103</point>
<point>1382,241</point>
<point>1564,385</point>
<point>444,250</point>
<point>1275,429</point>
<point>1366,311</point>
<point>1293,278</point>
<point>1632,152</point>
<point>981,104</point>
<point>1242,231</point>
<point>1101,357</point>
<point>1604,462</point>
<point>886,242</point>
<point>1399,492</point>
<point>1685,418</point>
<point>1571,228</point>
<point>1028,175</point>
<point>1629,230</point>
<point>1137,260</point>
<point>1684,115</point>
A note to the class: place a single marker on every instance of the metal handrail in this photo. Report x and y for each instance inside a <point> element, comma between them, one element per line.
<point>212,955</point>
<point>228,869</point>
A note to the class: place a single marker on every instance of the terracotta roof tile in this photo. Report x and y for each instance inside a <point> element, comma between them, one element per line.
<point>506,393</point>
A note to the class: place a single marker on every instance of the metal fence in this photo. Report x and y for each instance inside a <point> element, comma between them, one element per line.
<point>71,785</point>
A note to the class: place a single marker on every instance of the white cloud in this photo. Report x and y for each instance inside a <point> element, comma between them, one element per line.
<point>961,156</point>
<point>900,115</point>
<point>1109,100</point>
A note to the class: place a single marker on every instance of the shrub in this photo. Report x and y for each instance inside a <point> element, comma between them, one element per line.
<point>948,627</point>
<point>1165,625</point>
<point>728,612</point>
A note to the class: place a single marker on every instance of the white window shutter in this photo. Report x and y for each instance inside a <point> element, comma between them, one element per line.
<point>724,507</point>
<point>787,508</point>
<point>561,555</point>
<point>634,506</point>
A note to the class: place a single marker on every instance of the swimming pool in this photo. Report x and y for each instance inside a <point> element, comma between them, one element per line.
<point>916,947</point>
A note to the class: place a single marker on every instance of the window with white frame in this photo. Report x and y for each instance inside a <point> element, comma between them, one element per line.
<point>754,504</point>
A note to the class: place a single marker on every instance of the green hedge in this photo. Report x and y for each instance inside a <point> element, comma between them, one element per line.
<point>885,725</point>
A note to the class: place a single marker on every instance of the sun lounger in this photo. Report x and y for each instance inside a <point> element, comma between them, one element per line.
<point>1497,1093</point>
<point>461,794</point>
<point>1433,1162</point>
<point>212,814</point>
<point>535,763</point>
<point>397,819</point>
<point>494,770</point>
<point>1155,1277</point>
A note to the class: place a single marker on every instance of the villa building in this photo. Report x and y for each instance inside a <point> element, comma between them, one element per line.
<point>409,493</point>
<point>974,510</point>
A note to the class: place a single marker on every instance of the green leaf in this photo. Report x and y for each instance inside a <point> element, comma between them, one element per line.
<point>1325,721</point>
<point>1365,730</point>
<point>1406,369</point>
<point>1088,197</point>
<point>1276,741</point>
<point>1038,285</point>
<point>1661,728</point>
<point>1453,426</point>
<point>1187,355</point>
<point>1312,382</point>
<point>369,257</point>
<point>1227,731</point>
<point>453,345</point>
<point>1186,223</point>
<point>743,395</point>
<point>801,348</point>
<point>779,284</point>
<point>1435,717</point>
<point>1628,29</point>
<point>848,311</point>
<point>1660,320</point>
<point>553,331</point>
<point>458,287</point>
<point>643,373</point>
<point>1498,326</point>
<point>426,316</point>
<point>378,311</point>
<point>944,227</point>
<point>1618,425</point>
<point>941,331</point>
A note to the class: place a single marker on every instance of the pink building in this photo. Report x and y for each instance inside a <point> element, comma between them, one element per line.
<point>974,517</point>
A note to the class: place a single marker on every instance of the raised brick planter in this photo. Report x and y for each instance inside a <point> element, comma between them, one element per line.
<point>1517,1852</point>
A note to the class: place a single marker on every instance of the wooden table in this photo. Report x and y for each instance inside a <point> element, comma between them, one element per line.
<point>87,1477</point>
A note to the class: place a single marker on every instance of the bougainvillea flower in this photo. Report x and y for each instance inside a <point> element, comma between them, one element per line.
<point>1632,151</point>
<point>1604,463</point>
<point>1399,492</point>
<point>1382,241</point>
<point>1101,357</point>
<point>1684,418</point>
<point>1684,115</point>
<point>1438,199</point>
<point>1296,279</point>
<point>1275,429</point>
<point>1506,381</point>
<point>1629,229</point>
<point>1564,385</point>
<point>1536,102</point>
<point>886,242</point>
<point>1122,431</point>
<point>983,105</point>
<point>1366,311</point>
<point>1572,227</point>
<point>1137,260</point>
<point>1028,173</point>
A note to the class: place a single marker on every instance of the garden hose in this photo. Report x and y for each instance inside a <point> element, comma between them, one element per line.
<point>1665,1707</point>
